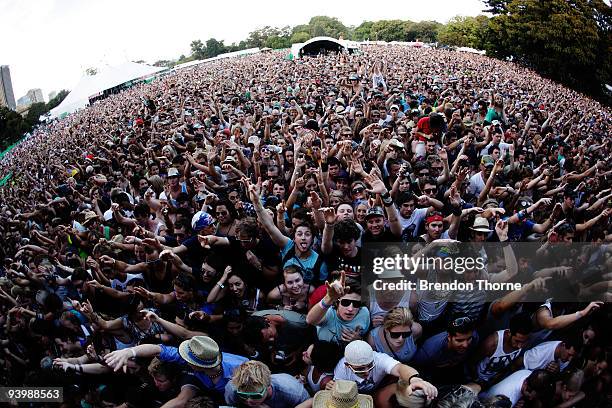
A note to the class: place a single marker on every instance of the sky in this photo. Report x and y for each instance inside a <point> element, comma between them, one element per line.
<point>49,44</point>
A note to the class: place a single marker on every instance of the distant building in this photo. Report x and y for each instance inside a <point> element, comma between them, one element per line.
<point>23,101</point>
<point>7,98</point>
<point>35,95</point>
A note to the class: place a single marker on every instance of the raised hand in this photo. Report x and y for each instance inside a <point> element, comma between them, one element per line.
<point>337,288</point>
<point>376,184</point>
<point>329,214</point>
<point>315,200</point>
<point>501,228</point>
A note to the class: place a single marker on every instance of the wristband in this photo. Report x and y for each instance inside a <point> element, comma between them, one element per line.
<point>324,305</point>
<point>385,196</point>
<point>578,315</point>
<point>417,375</point>
<point>133,352</point>
<point>220,285</point>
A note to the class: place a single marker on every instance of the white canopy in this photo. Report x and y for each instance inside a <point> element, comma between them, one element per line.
<point>296,48</point>
<point>92,85</point>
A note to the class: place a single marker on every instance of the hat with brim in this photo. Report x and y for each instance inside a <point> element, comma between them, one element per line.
<point>200,351</point>
<point>481,224</point>
<point>375,212</point>
<point>89,217</point>
<point>487,160</point>
<point>343,395</point>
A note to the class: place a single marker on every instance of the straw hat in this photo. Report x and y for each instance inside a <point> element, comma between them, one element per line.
<point>201,351</point>
<point>481,224</point>
<point>89,217</point>
<point>343,395</point>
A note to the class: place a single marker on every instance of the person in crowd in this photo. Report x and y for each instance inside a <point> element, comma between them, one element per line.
<point>228,211</point>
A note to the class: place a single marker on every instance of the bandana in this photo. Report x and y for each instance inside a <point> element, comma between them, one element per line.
<point>433,218</point>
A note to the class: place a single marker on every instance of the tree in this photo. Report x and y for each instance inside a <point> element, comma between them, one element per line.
<point>139,62</point>
<point>568,41</point>
<point>299,37</point>
<point>363,31</point>
<point>327,26</point>
<point>214,48</point>
<point>12,127</point>
<point>61,95</point>
<point>462,32</point>
<point>91,71</point>
<point>35,111</point>
<point>197,49</point>
<point>389,30</point>
<point>426,31</point>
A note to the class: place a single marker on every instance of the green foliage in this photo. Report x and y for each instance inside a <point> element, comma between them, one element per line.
<point>299,37</point>
<point>463,31</point>
<point>389,30</point>
<point>327,26</point>
<point>568,41</point>
<point>363,31</point>
<point>57,99</point>
<point>426,31</point>
<point>13,126</point>
<point>197,49</point>
<point>214,48</point>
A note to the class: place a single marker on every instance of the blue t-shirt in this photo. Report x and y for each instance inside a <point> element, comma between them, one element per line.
<point>230,363</point>
<point>435,353</point>
<point>287,391</point>
<point>520,230</point>
<point>331,327</point>
<point>307,265</point>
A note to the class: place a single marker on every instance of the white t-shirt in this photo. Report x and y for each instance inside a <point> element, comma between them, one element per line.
<point>509,386</point>
<point>416,218</point>
<point>383,364</point>
<point>542,354</point>
<point>117,284</point>
<point>477,184</point>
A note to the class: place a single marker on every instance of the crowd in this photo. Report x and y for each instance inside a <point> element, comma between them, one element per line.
<point>197,241</point>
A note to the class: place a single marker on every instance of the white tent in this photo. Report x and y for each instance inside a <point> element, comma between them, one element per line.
<point>93,85</point>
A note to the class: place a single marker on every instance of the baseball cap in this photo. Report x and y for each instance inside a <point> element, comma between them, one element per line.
<point>487,160</point>
<point>358,353</point>
<point>201,220</point>
<point>375,212</point>
<point>173,172</point>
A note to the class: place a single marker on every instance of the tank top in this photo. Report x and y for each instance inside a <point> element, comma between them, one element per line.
<point>376,310</point>
<point>404,355</point>
<point>316,386</point>
<point>489,366</point>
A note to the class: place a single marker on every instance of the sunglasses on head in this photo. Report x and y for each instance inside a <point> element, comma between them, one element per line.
<point>397,335</point>
<point>347,302</point>
<point>358,190</point>
<point>461,322</point>
<point>252,395</point>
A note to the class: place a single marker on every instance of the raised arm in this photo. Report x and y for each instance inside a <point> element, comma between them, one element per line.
<point>277,237</point>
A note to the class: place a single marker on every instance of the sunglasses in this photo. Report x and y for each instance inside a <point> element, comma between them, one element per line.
<point>397,335</point>
<point>430,190</point>
<point>362,369</point>
<point>461,321</point>
<point>347,302</point>
<point>252,395</point>
<point>358,190</point>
